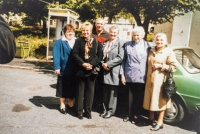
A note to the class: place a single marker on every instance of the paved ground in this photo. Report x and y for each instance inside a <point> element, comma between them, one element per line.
<point>28,106</point>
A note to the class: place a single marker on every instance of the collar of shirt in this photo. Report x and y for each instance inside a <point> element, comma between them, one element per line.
<point>140,48</point>
<point>113,41</point>
<point>70,42</point>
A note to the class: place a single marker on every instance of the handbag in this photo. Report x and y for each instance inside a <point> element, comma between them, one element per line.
<point>169,86</point>
<point>96,70</point>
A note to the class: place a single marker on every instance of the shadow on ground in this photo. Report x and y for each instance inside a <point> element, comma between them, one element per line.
<point>189,123</point>
<point>41,64</point>
<point>50,103</point>
<point>53,103</point>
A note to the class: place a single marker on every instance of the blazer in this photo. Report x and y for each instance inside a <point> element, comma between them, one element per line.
<point>133,68</point>
<point>95,56</point>
<point>115,58</point>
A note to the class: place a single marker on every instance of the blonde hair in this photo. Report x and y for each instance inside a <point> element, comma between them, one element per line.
<point>163,36</point>
<point>86,24</point>
<point>140,30</point>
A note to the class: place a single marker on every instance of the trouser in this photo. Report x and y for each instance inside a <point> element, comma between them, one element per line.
<point>110,98</point>
<point>136,97</point>
<point>85,94</point>
<point>98,94</point>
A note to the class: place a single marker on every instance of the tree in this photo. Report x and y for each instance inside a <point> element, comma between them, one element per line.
<point>158,11</point>
<point>111,7</point>
<point>9,6</point>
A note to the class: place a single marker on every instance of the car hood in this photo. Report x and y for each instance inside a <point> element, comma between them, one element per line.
<point>196,77</point>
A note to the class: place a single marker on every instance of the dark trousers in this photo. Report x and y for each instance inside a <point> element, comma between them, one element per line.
<point>110,98</point>
<point>85,94</point>
<point>98,94</point>
<point>136,97</point>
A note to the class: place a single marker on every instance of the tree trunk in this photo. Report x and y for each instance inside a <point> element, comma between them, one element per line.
<point>146,27</point>
<point>44,28</point>
<point>110,19</point>
<point>145,24</point>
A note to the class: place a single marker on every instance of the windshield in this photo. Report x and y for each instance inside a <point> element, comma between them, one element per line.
<point>188,59</point>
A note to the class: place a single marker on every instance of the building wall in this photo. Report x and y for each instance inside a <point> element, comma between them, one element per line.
<point>184,30</point>
<point>194,41</point>
<point>164,28</point>
<point>181,29</point>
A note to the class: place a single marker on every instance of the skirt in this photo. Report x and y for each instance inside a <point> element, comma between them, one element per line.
<point>66,87</point>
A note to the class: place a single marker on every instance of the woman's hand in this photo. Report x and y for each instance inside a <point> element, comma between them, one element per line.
<point>123,80</point>
<point>57,72</point>
<point>156,66</point>
<point>87,66</point>
<point>105,66</point>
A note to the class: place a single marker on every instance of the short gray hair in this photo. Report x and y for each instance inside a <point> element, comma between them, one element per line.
<point>140,30</point>
<point>100,19</point>
<point>163,36</point>
<point>114,27</point>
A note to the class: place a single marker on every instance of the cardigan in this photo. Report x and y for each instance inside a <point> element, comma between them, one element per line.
<point>62,57</point>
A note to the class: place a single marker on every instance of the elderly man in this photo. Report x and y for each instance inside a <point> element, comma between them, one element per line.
<point>101,35</point>
<point>99,32</point>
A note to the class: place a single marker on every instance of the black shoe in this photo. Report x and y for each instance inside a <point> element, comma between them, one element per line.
<point>87,116</point>
<point>134,120</point>
<point>63,111</point>
<point>108,115</point>
<point>156,127</point>
<point>80,116</point>
<point>126,118</point>
<point>102,114</point>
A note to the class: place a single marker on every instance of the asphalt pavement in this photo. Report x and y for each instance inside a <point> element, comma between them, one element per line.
<point>28,106</point>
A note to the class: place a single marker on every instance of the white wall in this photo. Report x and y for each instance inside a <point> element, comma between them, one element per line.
<point>181,29</point>
<point>164,28</point>
<point>194,41</point>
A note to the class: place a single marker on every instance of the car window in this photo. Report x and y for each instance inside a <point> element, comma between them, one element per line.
<point>188,59</point>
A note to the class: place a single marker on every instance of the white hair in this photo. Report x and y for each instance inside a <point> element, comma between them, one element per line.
<point>140,30</point>
<point>163,36</point>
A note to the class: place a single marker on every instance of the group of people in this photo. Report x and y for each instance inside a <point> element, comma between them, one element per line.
<point>135,64</point>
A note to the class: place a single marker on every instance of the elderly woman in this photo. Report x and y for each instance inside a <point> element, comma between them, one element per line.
<point>63,66</point>
<point>113,54</point>
<point>133,73</point>
<point>160,60</point>
<point>87,53</point>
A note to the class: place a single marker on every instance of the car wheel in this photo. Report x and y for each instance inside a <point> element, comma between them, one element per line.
<point>176,113</point>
